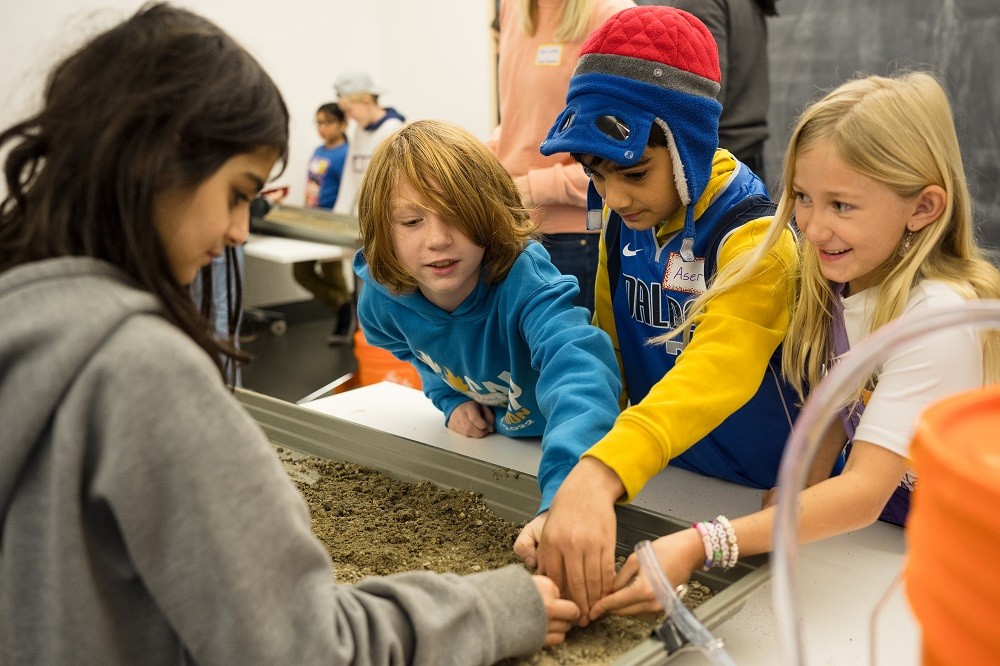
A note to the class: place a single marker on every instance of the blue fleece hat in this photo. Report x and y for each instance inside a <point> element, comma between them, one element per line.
<point>645,65</point>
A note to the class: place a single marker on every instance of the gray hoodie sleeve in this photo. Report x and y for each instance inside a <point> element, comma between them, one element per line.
<point>220,539</point>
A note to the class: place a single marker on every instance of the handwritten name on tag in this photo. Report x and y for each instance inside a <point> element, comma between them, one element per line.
<point>685,276</point>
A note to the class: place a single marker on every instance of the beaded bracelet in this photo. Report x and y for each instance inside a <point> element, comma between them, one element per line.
<point>730,536</point>
<point>719,539</point>
<point>706,539</point>
<point>720,532</point>
<point>717,556</point>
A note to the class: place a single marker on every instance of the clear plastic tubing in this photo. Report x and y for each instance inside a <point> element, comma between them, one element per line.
<point>819,410</point>
<point>689,626</point>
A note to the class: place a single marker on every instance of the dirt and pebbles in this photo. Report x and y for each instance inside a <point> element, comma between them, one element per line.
<point>374,525</point>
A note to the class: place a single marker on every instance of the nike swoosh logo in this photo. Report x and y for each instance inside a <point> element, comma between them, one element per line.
<point>628,252</point>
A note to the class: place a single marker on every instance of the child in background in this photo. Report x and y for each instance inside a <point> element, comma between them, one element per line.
<point>145,516</point>
<point>454,285</point>
<point>874,181</point>
<point>327,163</point>
<point>642,118</point>
<point>325,279</point>
<point>357,96</point>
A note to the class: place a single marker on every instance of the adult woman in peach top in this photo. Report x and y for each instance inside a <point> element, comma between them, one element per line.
<point>539,43</point>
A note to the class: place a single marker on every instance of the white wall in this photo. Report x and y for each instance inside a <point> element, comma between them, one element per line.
<point>433,57</point>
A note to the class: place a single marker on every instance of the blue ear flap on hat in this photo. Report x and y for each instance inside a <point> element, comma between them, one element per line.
<point>595,209</point>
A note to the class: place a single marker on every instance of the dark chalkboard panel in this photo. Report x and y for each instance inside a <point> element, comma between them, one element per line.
<point>814,45</point>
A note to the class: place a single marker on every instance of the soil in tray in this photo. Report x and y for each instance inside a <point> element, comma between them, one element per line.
<point>374,525</point>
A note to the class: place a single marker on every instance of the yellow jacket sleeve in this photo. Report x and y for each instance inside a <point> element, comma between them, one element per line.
<point>604,317</point>
<point>719,370</point>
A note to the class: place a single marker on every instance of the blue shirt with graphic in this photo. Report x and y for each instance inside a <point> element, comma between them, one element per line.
<point>325,170</point>
<point>519,347</point>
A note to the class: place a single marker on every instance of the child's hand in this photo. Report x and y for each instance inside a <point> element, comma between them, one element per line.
<point>561,613</point>
<point>678,553</point>
<point>577,548</point>
<point>526,544</point>
<point>471,419</point>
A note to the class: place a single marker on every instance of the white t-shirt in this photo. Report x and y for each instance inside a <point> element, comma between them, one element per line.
<point>917,373</point>
<point>359,152</point>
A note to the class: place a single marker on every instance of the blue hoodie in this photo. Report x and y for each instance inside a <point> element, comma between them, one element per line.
<point>519,347</point>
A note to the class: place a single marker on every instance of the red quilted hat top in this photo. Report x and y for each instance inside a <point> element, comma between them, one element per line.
<point>674,38</point>
<point>644,66</point>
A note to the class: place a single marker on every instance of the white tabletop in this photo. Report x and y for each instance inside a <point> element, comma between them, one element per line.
<point>842,579</point>
<point>290,250</point>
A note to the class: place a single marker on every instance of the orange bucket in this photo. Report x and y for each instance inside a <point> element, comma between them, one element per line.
<point>953,530</point>
<point>377,365</point>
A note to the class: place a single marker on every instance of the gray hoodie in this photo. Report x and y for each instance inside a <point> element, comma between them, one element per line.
<point>144,517</point>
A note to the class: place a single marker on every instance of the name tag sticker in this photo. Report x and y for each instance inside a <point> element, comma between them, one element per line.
<point>549,54</point>
<point>685,276</point>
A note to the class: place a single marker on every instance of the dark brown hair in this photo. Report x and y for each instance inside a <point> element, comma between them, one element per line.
<point>162,100</point>
<point>331,109</point>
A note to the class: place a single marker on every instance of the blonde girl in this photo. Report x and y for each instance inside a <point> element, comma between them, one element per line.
<point>875,184</point>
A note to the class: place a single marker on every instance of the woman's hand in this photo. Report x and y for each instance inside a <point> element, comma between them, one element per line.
<point>678,554</point>
<point>471,419</point>
<point>561,613</point>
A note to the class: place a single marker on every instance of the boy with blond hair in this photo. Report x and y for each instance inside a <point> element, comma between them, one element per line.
<point>357,97</point>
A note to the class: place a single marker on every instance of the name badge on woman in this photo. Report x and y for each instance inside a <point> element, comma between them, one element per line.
<point>549,54</point>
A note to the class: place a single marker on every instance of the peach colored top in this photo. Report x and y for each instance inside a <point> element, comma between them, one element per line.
<point>533,77</point>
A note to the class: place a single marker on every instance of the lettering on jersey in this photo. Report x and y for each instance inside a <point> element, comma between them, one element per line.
<point>685,276</point>
<point>650,304</point>
<point>504,392</point>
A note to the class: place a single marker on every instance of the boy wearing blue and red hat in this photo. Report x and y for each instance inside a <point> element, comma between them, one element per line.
<point>642,118</point>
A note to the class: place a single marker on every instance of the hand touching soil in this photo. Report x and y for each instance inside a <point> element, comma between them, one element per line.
<point>375,525</point>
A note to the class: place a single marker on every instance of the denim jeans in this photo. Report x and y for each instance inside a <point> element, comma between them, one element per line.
<point>576,255</point>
